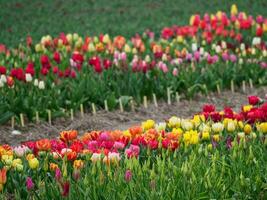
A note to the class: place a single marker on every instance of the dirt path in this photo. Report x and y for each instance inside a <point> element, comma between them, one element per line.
<point>116,120</point>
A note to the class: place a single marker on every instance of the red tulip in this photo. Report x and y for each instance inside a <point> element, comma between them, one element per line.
<point>2,70</point>
<point>253,100</point>
<point>56,57</point>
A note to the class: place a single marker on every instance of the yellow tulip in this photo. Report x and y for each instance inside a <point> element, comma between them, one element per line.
<point>263,127</point>
<point>205,135</point>
<point>15,162</point>
<point>148,124</point>
<point>33,163</point>
<point>216,137</point>
<point>247,108</point>
<point>234,9</point>
<point>231,126</point>
<point>247,129</point>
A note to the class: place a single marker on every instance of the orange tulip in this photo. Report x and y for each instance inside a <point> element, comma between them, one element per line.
<point>68,136</point>
<point>115,135</point>
<point>3,176</point>
<point>119,42</point>
<point>53,166</point>
<point>135,130</point>
<point>78,164</point>
<point>90,136</point>
<point>43,145</point>
<point>71,155</point>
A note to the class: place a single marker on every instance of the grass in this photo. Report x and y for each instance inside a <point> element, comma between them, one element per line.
<point>20,18</point>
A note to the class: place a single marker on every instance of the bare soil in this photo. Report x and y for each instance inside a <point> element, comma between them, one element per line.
<point>122,120</point>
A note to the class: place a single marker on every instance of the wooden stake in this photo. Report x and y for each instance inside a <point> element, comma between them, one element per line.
<point>49,117</point>
<point>121,106</point>
<point>93,109</point>
<point>244,86</point>
<point>232,86</point>
<point>218,89</point>
<point>155,100</point>
<point>132,105</point>
<point>22,120</point>
<point>250,83</point>
<point>106,105</point>
<point>71,115</point>
<point>82,110</point>
<point>12,122</point>
<point>177,97</point>
<point>145,102</point>
<point>37,117</point>
<point>169,96</point>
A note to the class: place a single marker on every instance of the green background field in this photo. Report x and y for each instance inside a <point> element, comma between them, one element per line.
<point>18,18</point>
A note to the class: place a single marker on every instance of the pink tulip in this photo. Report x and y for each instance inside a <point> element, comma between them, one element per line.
<point>233,58</point>
<point>29,183</point>
<point>118,145</point>
<point>123,56</point>
<point>128,175</point>
<point>175,72</point>
<point>58,174</point>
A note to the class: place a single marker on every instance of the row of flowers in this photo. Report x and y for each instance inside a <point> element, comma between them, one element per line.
<point>223,153</point>
<point>69,70</point>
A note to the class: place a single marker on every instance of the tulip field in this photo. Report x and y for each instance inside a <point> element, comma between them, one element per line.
<point>211,152</point>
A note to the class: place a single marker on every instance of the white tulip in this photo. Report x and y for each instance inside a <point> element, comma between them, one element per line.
<point>28,77</point>
<point>147,59</point>
<point>161,126</point>
<point>41,85</point>
<point>218,49</point>
<point>224,45</point>
<point>194,47</point>
<point>242,47</point>
<point>3,78</point>
<point>36,82</point>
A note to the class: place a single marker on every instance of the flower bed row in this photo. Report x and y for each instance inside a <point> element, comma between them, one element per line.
<point>211,155</point>
<point>211,52</point>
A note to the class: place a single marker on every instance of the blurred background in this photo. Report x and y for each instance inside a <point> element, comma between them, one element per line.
<point>19,18</point>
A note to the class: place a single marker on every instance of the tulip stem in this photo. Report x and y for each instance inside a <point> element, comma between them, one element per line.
<point>169,96</point>
<point>132,105</point>
<point>49,117</point>
<point>82,110</point>
<point>71,114</point>
<point>22,120</point>
<point>93,109</point>
<point>177,97</point>
<point>106,105</point>
<point>12,122</point>
<point>155,100</point>
<point>251,83</point>
<point>37,117</point>
<point>218,89</point>
<point>244,86</point>
<point>145,102</point>
<point>232,86</point>
<point>121,106</point>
